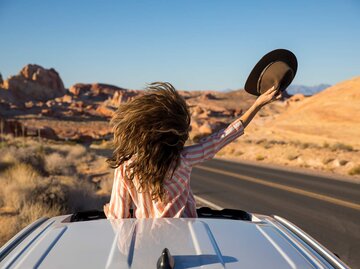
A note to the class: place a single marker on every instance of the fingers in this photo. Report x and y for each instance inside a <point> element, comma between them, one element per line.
<point>278,97</point>
<point>271,90</point>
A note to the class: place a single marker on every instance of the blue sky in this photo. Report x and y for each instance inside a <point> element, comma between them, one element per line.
<point>195,44</point>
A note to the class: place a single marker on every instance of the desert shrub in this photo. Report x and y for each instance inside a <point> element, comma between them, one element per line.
<point>56,164</point>
<point>8,228</point>
<point>238,153</point>
<point>355,170</point>
<point>279,142</point>
<point>326,145</point>
<point>8,155</point>
<point>221,152</point>
<point>260,141</point>
<point>342,147</point>
<point>11,224</point>
<point>33,211</point>
<point>268,145</point>
<point>18,183</point>
<point>343,162</point>
<point>76,152</point>
<point>295,143</point>
<point>292,156</point>
<point>83,197</point>
<point>230,150</point>
<point>327,160</point>
<point>260,157</point>
<point>42,180</point>
<point>304,145</point>
<point>32,156</point>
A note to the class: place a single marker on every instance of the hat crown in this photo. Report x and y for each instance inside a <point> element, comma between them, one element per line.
<point>278,74</point>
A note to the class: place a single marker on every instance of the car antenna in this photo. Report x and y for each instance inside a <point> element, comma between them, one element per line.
<point>165,261</point>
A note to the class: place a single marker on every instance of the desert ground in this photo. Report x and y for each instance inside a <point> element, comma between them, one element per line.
<point>55,141</point>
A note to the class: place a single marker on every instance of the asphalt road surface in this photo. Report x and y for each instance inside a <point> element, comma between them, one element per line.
<point>327,209</point>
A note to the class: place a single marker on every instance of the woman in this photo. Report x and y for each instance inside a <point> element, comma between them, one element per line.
<point>152,166</point>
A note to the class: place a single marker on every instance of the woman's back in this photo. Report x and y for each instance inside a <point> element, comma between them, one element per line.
<point>179,200</point>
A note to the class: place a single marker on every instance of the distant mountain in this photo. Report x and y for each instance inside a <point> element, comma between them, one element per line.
<point>306,90</point>
<point>294,89</point>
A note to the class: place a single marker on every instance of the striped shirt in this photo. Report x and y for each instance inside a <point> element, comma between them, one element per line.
<point>181,201</point>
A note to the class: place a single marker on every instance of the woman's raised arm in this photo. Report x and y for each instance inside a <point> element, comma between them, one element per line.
<point>210,145</point>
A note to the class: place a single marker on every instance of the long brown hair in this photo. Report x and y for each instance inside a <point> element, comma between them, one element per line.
<point>151,130</point>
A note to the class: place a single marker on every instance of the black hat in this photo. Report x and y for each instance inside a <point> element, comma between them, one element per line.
<point>277,68</point>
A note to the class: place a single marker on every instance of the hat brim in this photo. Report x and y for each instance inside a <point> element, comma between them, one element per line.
<point>276,55</point>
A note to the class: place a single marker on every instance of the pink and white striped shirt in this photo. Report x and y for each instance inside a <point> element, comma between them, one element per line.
<point>181,201</point>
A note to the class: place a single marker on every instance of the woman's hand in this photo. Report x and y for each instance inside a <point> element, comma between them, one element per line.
<point>267,97</point>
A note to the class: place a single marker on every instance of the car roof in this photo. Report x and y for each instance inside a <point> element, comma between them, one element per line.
<point>138,243</point>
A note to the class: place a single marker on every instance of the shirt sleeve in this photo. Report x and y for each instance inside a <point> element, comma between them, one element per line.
<point>120,200</point>
<point>210,145</point>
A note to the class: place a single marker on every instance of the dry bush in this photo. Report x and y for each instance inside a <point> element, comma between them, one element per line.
<point>11,224</point>
<point>355,170</point>
<point>304,145</point>
<point>292,156</point>
<point>260,141</point>
<point>343,162</point>
<point>268,145</point>
<point>9,227</point>
<point>7,156</point>
<point>42,180</point>
<point>76,151</point>
<point>326,145</point>
<point>342,147</point>
<point>260,157</point>
<point>56,164</point>
<point>327,160</point>
<point>18,182</point>
<point>31,155</point>
<point>33,211</point>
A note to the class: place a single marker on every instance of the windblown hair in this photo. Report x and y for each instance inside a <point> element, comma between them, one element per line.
<point>151,130</point>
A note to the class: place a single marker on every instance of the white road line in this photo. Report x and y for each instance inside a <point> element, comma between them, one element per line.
<point>208,203</point>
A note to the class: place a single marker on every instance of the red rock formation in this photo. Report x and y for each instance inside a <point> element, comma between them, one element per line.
<point>34,83</point>
<point>46,77</point>
<point>105,111</point>
<point>80,89</point>
<point>123,96</point>
<point>96,92</point>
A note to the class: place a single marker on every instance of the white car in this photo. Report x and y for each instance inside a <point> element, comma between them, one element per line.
<point>217,239</point>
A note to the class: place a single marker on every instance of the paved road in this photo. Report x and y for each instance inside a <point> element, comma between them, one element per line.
<point>327,209</point>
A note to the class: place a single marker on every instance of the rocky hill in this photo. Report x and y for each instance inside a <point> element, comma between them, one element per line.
<point>333,114</point>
